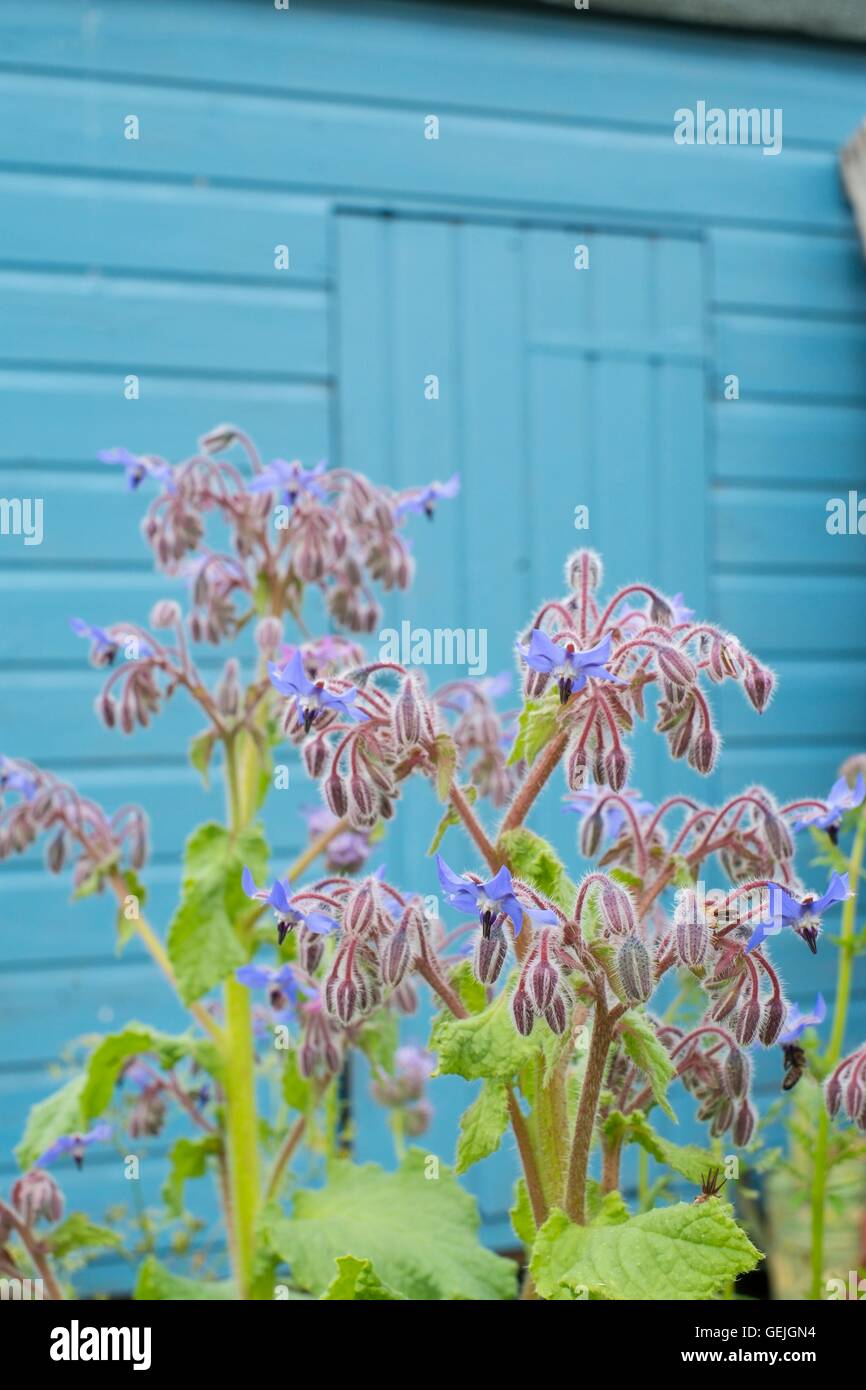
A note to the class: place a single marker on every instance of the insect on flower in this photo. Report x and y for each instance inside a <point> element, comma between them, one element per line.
<point>712,1183</point>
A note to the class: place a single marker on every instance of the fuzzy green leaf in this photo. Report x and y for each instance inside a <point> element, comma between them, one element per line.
<point>417,1227</point>
<point>650,1055</point>
<point>188,1159</point>
<point>357,1282</point>
<point>688,1160</point>
<point>50,1119</point>
<point>156,1284</point>
<point>78,1232</point>
<point>535,727</point>
<point>485,1044</point>
<point>522,1220</point>
<point>482,1125</point>
<point>533,859</point>
<point>675,1253</point>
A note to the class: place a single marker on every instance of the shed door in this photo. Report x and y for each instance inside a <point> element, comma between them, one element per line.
<point>557,387</point>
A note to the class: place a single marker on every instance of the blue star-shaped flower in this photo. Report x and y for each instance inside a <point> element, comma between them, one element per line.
<point>12,779</point>
<point>424,499</point>
<point>75,1144</point>
<point>797,1023</point>
<point>284,989</point>
<point>803,917</point>
<point>290,480</point>
<point>288,916</point>
<point>137,468</point>
<point>311,697</point>
<point>488,901</point>
<point>842,798</point>
<point>570,667</point>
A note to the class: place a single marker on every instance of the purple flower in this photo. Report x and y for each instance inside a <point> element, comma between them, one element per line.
<point>489,901</point>
<point>803,917</point>
<point>137,467</point>
<point>797,1023</point>
<point>424,499</point>
<point>562,660</point>
<point>679,610</point>
<point>290,480</point>
<point>12,779</point>
<point>311,698</point>
<point>842,798</point>
<point>348,850</point>
<point>613,816</point>
<point>103,647</point>
<point>75,1144</point>
<point>287,915</point>
<point>284,989</point>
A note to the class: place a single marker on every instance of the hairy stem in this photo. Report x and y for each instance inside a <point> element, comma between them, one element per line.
<point>533,783</point>
<point>35,1250</point>
<point>289,1144</point>
<point>473,826</point>
<point>575,1192</point>
<point>834,1052</point>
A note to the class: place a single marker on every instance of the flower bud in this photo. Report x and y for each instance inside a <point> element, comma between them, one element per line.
<point>541,979</point>
<point>616,766</point>
<point>228,692</point>
<point>556,1013</point>
<point>36,1195</point>
<point>362,913</point>
<point>219,438</point>
<point>778,836</point>
<point>661,613</point>
<point>675,666</point>
<point>55,853</point>
<point>705,750</point>
<point>616,909</point>
<point>746,1023</point>
<point>692,933</point>
<point>744,1124</point>
<point>576,767</point>
<point>165,613</point>
<point>407,716</point>
<point>490,953</point>
<point>405,997</point>
<point>735,1074</point>
<point>362,804</point>
<point>315,754</point>
<point>106,708</point>
<point>334,789</point>
<point>311,949</point>
<point>269,636</point>
<point>772,1020</point>
<point>722,1120</point>
<point>758,686</point>
<point>522,1012</point>
<point>395,957</point>
<point>634,967</point>
<point>854,1094</point>
<point>417,1118</point>
<point>591,831</point>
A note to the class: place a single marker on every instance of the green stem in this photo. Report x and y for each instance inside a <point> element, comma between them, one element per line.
<point>241,1127</point>
<point>834,1052</point>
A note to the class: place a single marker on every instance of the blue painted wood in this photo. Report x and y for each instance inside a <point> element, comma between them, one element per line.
<point>410,257</point>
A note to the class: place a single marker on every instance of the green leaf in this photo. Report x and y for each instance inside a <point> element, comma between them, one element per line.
<point>647,1052</point>
<point>202,944</point>
<point>536,725</point>
<point>156,1284</point>
<point>105,1062</point>
<point>357,1282</point>
<point>533,859</point>
<point>472,992</point>
<point>485,1044</point>
<point>50,1119</point>
<point>188,1159</point>
<point>522,1220</point>
<point>78,1232</point>
<point>418,1230</point>
<point>482,1125</point>
<point>446,765</point>
<point>675,1253</point>
<point>688,1160</point>
<point>200,753</point>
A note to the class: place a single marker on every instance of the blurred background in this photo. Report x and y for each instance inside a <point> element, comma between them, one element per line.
<point>408,256</point>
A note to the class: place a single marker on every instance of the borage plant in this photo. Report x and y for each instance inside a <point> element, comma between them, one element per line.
<point>564,1041</point>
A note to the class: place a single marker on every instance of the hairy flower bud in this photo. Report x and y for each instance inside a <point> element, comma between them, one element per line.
<point>269,636</point>
<point>405,997</point>
<point>315,754</point>
<point>556,1013</point>
<point>634,967</point>
<point>675,666</point>
<point>576,767</point>
<point>395,957</point>
<point>744,1124</point>
<point>540,979</point>
<point>833,1095</point>
<point>747,1020</point>
<point>722,1119</point>
<point>362,912</point>
<point>490,953</point>
<point>772,1020</point>
<point>228,692</point>
<point>661,613</point>
<point>334,789</point>
<point>591,831</point>
<point>36,1195</point>
<point>758,685</point>
<point>407,716</point>
<point>522,1012</point>
<point>735,1074</point>
<point>692,933</point>
<point>617,909</point>
<point>311,949</point>
<point>362,804</point>
<point>704,751</point>
<point>55,853</point>
<point>778,836</point>
<point>616,766</point>
<point>165,613</point>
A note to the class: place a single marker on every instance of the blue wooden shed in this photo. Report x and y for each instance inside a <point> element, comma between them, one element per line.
<point>433,170</point>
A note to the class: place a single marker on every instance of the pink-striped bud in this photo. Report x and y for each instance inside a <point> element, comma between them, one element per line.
<point>591,831</point>
<point>617,909</point>
<point>36,1195</point>
<point>758,685</point>
<point>556,1013</point>
<point>362,804</point>
<point>522,1012</point>
<point>315,752</point>
<point>722,1119</point>
<point>362,914</point>
<point>540,977</point>
<point>778,836</point>
<point>269,635</point>
<point>692,933</point>
<point>772,1020</point>
<point>405,997</point>
<point>616,766</point>
<point>395,957</point>
<point>854,1093</point>
<point>704,751</point>
<point>334,789</point>
<point>833,1095</point>
<point>576,767</point>
<point>744,1124</point>
<point>747,1020</point>
<point>165,613</point>
<point>407,716</point>
<point>735,1074</point>
<point>490,954</point>
<point>634,967</point>
<point>675,666</point>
